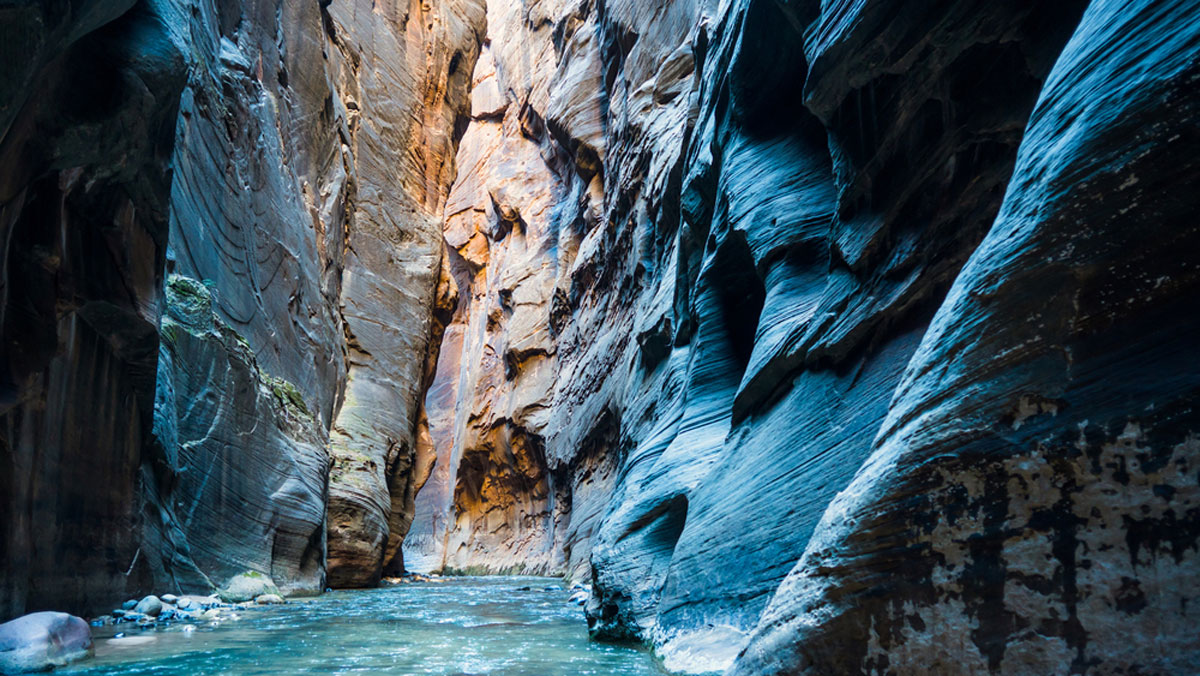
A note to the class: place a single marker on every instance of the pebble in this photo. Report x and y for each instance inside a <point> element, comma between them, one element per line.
<point>118,613</point>
<point>269,600</point>
<point>169,598</point>
<point>129,605</point>
<point>184,604</point>
<point>579,598</point>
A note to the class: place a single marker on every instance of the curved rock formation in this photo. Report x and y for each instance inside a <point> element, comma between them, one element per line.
<point>312,149</point>
<point>819,337</point>
<point>749,215</point>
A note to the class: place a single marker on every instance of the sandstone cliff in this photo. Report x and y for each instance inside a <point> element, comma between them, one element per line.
<point>279,168</point>
<point>715,348</point>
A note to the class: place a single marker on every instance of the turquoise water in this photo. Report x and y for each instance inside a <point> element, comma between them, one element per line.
<point>457,627</point>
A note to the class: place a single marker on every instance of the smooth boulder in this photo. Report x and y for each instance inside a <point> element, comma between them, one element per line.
<point>150,606</point>
<point>247,587</point>
<point>42,641</point>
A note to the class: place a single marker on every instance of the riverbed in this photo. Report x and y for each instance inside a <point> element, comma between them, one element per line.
<point>465,626</point>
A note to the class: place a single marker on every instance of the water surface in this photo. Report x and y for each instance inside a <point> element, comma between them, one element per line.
<point>456,627</point>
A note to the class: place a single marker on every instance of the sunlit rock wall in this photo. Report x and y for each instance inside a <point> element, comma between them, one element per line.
<point>315,152</point>
<point>701,305</point>
<point>403,73</point>
<point>312,148</point>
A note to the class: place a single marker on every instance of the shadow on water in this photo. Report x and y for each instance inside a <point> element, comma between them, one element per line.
<point>453,627</point>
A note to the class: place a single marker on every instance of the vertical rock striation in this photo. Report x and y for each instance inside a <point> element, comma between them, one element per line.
<point>88,99</point>
<point>1029,504</point>
<point>403,69</point>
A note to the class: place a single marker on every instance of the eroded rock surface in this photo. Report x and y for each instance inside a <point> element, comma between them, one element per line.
<point>696,308</point>
<point>403,73</point>
<point>1029,504</point>
<point>88,99</point>
<point>299,242</point>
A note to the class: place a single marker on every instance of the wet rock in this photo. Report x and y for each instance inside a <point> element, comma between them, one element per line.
<point>41,641</point>
<point>169,598</point>
<point>129,605</point>
<point>269,600</point>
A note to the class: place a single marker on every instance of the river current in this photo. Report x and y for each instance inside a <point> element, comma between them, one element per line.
<point>499,626</point>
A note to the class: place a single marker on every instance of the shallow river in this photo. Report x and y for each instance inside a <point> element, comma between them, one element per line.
<point>456,627</point>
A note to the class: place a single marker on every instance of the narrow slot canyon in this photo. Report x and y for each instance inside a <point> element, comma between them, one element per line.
<point>613,337</point>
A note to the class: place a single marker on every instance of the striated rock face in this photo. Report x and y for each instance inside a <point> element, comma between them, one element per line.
<point>492,504</point>
<point>251,357</point>
<point>820,337</point>
<point>1029,502</point>
<point>172,441</point>
<point>88,100</point>
<point>714,344</point>
<point>242,480</point>
<point>403,73</point>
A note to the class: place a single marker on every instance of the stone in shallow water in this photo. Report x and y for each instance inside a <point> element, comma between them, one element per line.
<point>151,606</point>
<point>269,600</point>
<point>41,641</point>
<point>247,587</point>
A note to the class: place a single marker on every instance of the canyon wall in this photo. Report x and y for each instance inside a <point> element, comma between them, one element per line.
<point>222,244</point>
<point>716,346</point>
<point>88,101</point>
<point>837,337</point>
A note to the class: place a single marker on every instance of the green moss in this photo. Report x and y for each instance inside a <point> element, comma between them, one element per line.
<point>288,396</point>
<point>169,331</point>
<point>189,302</point>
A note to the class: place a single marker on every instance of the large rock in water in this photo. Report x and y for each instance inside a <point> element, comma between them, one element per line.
<point>42,641</point>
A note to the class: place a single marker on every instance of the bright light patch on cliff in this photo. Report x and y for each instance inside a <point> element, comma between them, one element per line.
<point>710,650</point>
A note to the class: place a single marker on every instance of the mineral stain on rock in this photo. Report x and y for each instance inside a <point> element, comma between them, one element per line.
<point>804,337</point>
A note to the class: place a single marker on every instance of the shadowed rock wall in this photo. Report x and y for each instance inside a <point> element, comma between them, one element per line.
<point>88,100</point>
